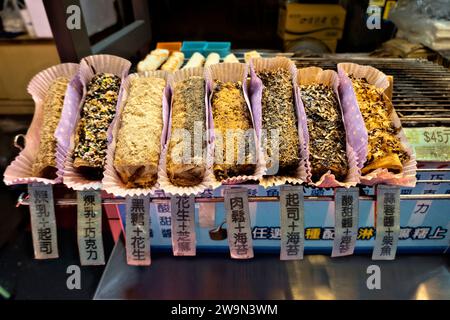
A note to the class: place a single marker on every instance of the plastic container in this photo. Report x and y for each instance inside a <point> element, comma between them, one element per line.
<point>190,47</point>
<point>222,48</point>
<point>171,46</point>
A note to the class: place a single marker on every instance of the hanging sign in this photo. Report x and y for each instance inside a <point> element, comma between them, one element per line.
<point>346,221</point>
<point>137,230</point>
<point>183,225</point>
<point>388,222</point>
<point>43,222</point>
<point>238,222</point>
<point>292,222</point>
<point>89,228</point>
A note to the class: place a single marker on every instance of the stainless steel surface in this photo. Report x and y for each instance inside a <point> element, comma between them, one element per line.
<point>216,276</point>
<point>421,94</point>
<point>23,200</point>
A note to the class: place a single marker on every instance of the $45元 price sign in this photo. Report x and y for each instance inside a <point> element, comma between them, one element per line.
<point>430,144</point>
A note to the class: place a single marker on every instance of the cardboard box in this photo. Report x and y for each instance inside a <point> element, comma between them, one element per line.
<point>20,62</point>
<point>321,21</point>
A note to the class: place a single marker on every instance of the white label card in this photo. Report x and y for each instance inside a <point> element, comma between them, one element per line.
<point>292,222</point>
<point>183,225</point>
<point>43,222</point>
<point>346,221</point>
<point>89,228</point>
<point>238,222</point>
<point>388,222</point>
<point>137,230</point>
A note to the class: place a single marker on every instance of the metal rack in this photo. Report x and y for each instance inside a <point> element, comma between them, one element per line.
<point>23,198</point>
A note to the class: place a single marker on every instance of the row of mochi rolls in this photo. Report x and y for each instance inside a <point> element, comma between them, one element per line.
<point>154,104</point>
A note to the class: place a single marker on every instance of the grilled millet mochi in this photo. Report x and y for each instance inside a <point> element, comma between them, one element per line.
<point>96,115</point>
<point>230,112</point>
<point>278,112</point>
<point>327,139</point>
<point>138,145</point>
<point>188,110</point>
<point>384,147</point>
<point>44,165</point>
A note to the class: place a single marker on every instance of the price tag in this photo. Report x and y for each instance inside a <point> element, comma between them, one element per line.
<point>183,225</point>
<point>430,144</point>
<point>388,222</point>
<point>346,221</point>
<point>90,242</point>
<point>238,222</point>
<point>137,230</point>
<point>43,223</point>
<point>292,222</point>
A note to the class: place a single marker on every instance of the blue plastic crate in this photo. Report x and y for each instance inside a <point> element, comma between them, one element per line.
<point>222,48</point>
<point>190,47</point>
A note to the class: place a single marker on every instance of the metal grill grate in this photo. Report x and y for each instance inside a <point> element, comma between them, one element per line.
<point>421,94</point>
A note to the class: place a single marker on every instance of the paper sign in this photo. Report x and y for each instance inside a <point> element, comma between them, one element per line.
<point>238,222</point>
<point>292,222</point>
<point>89,228</point>
<point>388,222</point>
<point>346,221</point>
<point>137,230</point>
<point>430,144</point>
<point>183,225</point>
<point>43,223</point>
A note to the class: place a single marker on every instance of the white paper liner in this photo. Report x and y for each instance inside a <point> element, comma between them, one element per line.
<point>233,72</point>
<point>407,177</point>
<point>208,179</point>
<point>89,66</point>
<point>260,64</point>
<point>315,75</point>
<point>111,180</point>
<point>20,170</point>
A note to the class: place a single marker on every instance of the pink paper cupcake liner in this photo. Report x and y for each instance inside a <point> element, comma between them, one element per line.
<point>111,180</point>
<point>256,87</point>
<point>407,177</point>
<point>20,170</point>
<point>353,123</point>
<point>66,131</point>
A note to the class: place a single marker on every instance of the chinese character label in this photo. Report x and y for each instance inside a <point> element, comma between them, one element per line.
<point>291,222</point>
<point>346,221</point>
<point>137,230</point>
<point>238,221</point>
<point>164,217</point>
<point>183,225</point>
<point>90,242</point>
<point>388,222</point>
<point>43,223</point>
